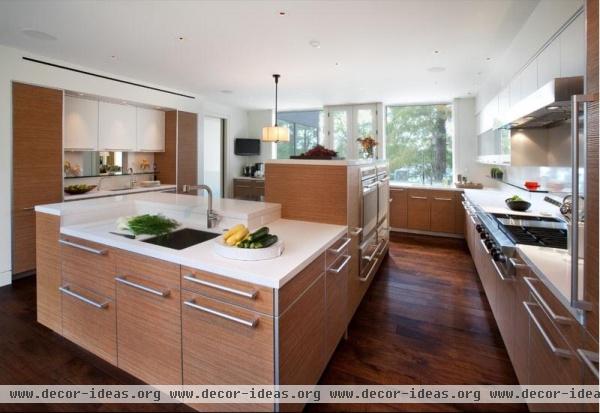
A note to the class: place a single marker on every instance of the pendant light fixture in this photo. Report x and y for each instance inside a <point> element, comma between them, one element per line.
<point>275,133</point>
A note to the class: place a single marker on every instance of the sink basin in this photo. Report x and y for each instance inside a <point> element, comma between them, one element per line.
<point>182,238</point>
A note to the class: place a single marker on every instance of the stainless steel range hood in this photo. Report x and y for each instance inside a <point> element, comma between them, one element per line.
<point>546,106</point>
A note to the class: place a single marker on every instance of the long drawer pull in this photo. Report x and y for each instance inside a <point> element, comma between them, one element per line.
<point>589,358</point>
<point>123,280</point>
<point>341,267</point>
<point>251,323</point>
<point>247,294</point>
<point>83,247</point>
<point>502,277</point>
<point>28,209</point>
<point>559,319</point>
<point>341,247</point>
<point>443,199</point>
<point>418,197</point>
<point>66,290</point>
<point>560,352</point>
<point>371,271</point>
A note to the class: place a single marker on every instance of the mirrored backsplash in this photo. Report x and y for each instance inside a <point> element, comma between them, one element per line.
<point>80,164</point>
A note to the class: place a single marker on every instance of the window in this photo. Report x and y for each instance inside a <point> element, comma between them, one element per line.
<point>419,143</point>
<point>346,124</point>
<point>306,130</point>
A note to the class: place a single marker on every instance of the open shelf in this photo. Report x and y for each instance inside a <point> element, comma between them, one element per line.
<point>522,187</point>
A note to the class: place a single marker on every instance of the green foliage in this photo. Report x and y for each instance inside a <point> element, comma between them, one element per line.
<point>419,141</point>
<point>151,224</point>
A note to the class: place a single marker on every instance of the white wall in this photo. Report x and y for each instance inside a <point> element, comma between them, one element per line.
<point>465,142</point>
<point>13,68</point>
<point>257,120</point>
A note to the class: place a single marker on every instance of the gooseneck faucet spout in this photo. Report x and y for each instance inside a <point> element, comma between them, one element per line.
<point>211,216</point>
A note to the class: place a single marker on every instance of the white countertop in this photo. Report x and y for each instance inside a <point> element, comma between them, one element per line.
<point>251,178</point>
<point>553,268</point>
<point>303,242</point>
<point>332,162</point>
<point>421,186</point>
<point>492,201</point>
<point>104,193</point>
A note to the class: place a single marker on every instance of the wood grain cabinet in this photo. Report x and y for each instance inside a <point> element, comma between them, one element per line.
<point>36,162</point>
<point>398,208</point>
<point>249,189</point>
<point>336,289</point>
<point>148,318</point>
<point>443,215</point>
<point>419,210</point>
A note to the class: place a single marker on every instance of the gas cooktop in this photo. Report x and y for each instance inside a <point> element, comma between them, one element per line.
<point>533,230</point>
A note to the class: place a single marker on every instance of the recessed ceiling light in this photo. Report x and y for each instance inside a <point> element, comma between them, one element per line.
<point>38,34</point>
<point>315,43</point>
<point>227,91</point>
<point>282,13</point>
<point>124,102</point>
<point>436,51</point>
<point>436,69</point>
<point>553,107</point>
<point>337,63</point>
<point>180,38</point>
<point>113,57</point>
<point>488,58</point>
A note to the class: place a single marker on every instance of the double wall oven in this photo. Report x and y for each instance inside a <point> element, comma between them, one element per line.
<point>374,205</point>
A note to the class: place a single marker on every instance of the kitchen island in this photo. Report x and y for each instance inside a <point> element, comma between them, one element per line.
<point>190,316</point>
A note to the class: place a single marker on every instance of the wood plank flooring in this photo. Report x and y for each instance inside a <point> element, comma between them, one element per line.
<point>425,320</point>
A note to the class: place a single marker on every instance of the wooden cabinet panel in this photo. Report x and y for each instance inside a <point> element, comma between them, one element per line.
<point>249,189</point>
<point>89,320</point>
<point>187,149</point>
<point>505,310</point>
<point>92,269</point>
<point>48,271</point>
<point>459,215</point>
<point>302,337</point>
<point>149,322</point>
<point>336,287</point>
<point>247,295</point>
<point>520,355</point>
<point>150,130</point>
<point>419,210</point>
<point>218,350</point>
<point>81,124</point>
<point>36,162</point>
<point>399,208</point>
<point>292,290</point>
<point>117,127</point>
<point>443,214</point>
<point>355,285</point>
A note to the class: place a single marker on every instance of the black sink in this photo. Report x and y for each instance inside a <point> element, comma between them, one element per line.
<point>182,238</point>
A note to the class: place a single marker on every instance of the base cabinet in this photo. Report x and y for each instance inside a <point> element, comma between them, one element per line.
<point>249,189</point>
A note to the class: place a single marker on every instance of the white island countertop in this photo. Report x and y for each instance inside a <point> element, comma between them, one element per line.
<point>94,219</point>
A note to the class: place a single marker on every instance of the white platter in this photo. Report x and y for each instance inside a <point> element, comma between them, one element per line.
<point>247,254</point>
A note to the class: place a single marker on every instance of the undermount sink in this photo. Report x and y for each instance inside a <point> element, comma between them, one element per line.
<point>182,238</point>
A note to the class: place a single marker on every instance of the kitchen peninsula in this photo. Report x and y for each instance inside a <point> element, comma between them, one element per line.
<point>190,316</point>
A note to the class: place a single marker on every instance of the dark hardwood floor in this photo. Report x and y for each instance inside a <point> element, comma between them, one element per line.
<point>425,320</point>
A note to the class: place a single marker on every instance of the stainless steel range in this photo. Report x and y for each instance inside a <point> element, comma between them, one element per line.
<point>500,233</point>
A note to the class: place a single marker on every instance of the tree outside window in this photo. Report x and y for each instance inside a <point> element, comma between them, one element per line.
<point>305,132</point>
<point>419,143</point>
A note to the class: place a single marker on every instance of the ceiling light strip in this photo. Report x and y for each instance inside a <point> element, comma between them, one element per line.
<point>106,77</point>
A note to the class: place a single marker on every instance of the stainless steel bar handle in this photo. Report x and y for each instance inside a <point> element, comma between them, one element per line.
<point>386,179</point>
<point>28,209</point>
<point>560,352</point>
<point>341,267</point>
<point>589,358</point>
<point>443,199</point>
<point>375,252</point>
<point>246,294</point>
<point>502,277</point>
<point>418,197</point>
<point>66,290</point>
<point>341,247</point>
<point>356,231</point>
<point>83,247</point>
<point>371,271</point>
<point>247,323</point>
<point>121,279</point>
<point>484,246</point>
<point>559,319</point>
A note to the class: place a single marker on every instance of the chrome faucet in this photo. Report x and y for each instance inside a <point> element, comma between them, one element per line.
<point>100,183</point>
<point>132,180</point>
<point>211,216</point>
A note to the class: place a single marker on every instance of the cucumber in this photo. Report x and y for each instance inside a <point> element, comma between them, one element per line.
<point>259,233</point>
<point>267,242</point>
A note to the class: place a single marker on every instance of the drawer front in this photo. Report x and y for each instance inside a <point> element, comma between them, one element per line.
<point>89,320</point>
<point>336,298</point>
<point>564,322</point>
<point>224,343</point>
<point>149,330</point>
<point>419,210</point>
<point>443,214</point>
<point>398,208</point>
<point>89,265</point>
<point>292,290</point>
<point>247,295</point>
<point>340,247</point>
<point>151,269</point>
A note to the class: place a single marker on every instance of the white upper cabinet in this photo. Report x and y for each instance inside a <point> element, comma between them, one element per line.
<point>81,124</point>
<point>117,127</point>
<point>548,63</point>
<point>572,48</point>
<point>150,130</point>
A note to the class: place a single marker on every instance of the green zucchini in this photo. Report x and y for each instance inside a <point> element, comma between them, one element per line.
<point>258,234</point>
<point>266,242</point>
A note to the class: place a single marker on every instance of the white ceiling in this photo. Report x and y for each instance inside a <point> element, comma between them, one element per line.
<point>383,48</point>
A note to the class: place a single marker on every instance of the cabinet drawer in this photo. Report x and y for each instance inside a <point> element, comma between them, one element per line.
<point>443,214</point>
<point>244,294</point>
<point>89,319</point>
<point>151,269</point>
<point>287,294</point>
<point>398,208</point>
<point>149,330</point>
<point>340,247</point>
<point>336,298</point>
<point>419,207</point>
<point>88,264</point>
<point>563,321</point>
<point>224,343</point>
